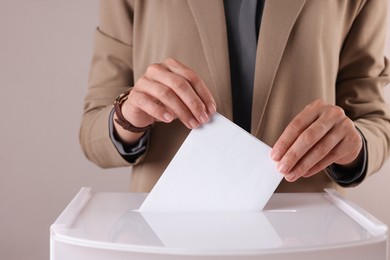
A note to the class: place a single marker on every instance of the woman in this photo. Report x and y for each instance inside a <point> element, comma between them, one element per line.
<point>305,77</point>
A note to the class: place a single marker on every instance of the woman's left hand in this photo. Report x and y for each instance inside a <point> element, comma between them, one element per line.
<point>321,134</point>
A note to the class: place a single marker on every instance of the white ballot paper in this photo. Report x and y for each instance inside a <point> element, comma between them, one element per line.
<point>219,167</point>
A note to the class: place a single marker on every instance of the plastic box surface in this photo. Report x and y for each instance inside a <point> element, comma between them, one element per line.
<point>292,226</point>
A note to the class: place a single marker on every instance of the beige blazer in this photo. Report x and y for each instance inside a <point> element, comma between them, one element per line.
<point>307,49</point>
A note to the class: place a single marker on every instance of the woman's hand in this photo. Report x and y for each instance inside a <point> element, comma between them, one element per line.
<point>317,137</point>
<point>167,91</point>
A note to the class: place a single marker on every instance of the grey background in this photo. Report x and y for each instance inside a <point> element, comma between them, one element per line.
<point>45,52</point>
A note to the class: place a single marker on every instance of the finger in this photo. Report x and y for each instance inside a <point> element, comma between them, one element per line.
<point>331,158</point>
<point>325,162</point>
<point>343,152</point>
<point>182,89</point>
<point>300,122</point>
<point>326,117</point>
<point>353,143</point>
<point>198,84</point>
<point>313,160</point>
<point>166,97</point>
<point>186,90</point>
<point>140,101</point>
<point>305,141</point>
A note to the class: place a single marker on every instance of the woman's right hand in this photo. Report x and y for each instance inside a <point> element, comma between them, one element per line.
<point>167,91</point>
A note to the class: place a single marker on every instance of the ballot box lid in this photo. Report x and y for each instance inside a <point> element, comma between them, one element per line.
<point>289,222</point>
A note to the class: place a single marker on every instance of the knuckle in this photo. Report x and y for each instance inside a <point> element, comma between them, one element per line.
<point>282,145</point>
<point>140,84</point>
<point>333,156</point>
<point>353,138</point>
<point>197,105</point>
<point>309,137</point>
<point>140,100</point>
<point>350,124</point>
<point>170,60</point>
<point>157,110</point>
<point>181,112</point>
<point>296,124</point>
<point>316,104</point>
<point>332,139</point>
<point>300,168</point>
<point>191,76</point>
<point>179,84</point>
<point>153,68</point>
<point>317,168</point>
<point>292,157</point>
<point>165,93</point>
<point>321,127</point>
<point>357,138</point>
<point>348,127</point>
<point>320,150</point>
<point>337,112</point>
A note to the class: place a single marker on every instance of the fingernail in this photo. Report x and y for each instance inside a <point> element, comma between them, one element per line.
<point>168,117</point>
<point>204,118</point>
<point>212,108</point>
<point>282,168</point>
<point>290,176</point>
<point>193,123</point>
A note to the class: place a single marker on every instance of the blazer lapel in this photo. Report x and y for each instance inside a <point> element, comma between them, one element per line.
<point>210,19</point>
<point>277,22</point>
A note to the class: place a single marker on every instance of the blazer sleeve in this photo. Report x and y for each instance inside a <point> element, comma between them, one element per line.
<point>111,73</point>
<point>363,73</point>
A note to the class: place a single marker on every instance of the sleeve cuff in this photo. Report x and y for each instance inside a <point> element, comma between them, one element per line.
<point>350,177</point>
<point>130,153</point>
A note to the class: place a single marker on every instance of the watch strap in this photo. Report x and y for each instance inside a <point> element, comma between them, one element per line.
<point>121,120</point>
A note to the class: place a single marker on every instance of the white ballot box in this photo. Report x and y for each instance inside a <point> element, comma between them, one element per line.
<point>100,225</point>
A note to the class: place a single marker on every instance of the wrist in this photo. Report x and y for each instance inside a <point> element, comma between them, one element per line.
<point>125,136</point>
<point>351,174</point>
<point>120,118</point>
<point>125,130</point>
